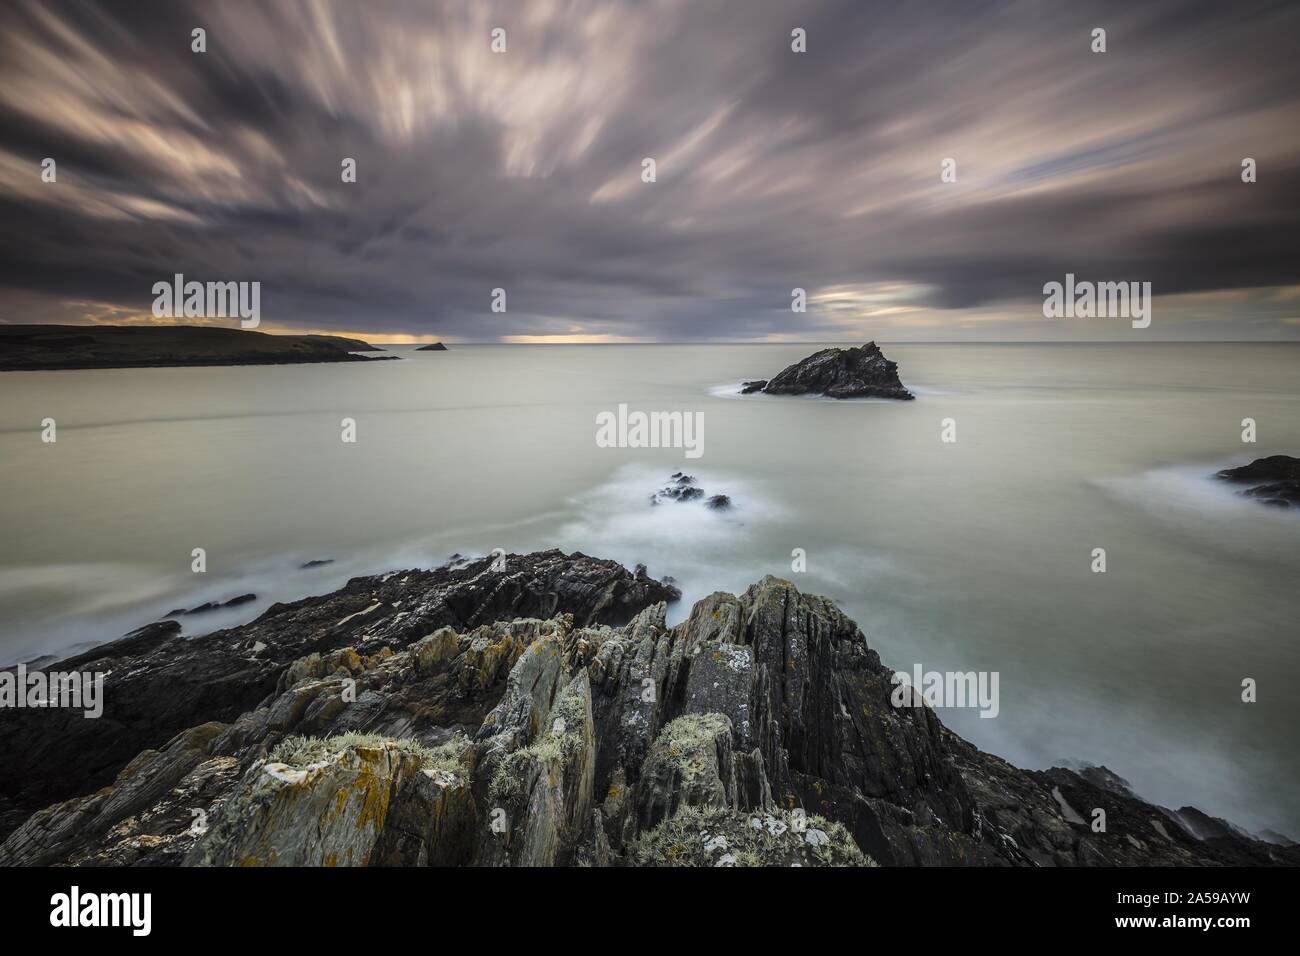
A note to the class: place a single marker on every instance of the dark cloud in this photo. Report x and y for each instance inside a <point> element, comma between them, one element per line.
<point>775,170</point>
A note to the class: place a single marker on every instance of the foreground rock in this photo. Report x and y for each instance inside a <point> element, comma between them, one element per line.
<point>159,683</point>
<point>861,372</point>
<point>1274,480</point>
<point>39,347</point>
<point>759,731</point>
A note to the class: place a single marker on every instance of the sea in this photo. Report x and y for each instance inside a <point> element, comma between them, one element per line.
<point>977,553</point>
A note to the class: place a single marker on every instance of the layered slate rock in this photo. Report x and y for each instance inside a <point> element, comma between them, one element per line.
<point>1272,481</point>
<point>861,372</point>
<point>160,683</point>
<point>355,800</point>
<point>760,731</point>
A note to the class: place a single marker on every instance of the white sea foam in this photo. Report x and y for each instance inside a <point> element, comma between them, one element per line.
<point>732,390</point>
<point>1189,501</point>
<point>703,549</point>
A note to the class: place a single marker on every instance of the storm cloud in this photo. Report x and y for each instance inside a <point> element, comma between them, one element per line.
<point>775,169</point>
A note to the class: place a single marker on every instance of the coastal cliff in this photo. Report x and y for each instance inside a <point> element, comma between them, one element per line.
<point>53,347</point>
<point>546,714</point>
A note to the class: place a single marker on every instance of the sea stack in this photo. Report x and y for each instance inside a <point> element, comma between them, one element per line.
<point>861,372</point>
<point>435,347</point>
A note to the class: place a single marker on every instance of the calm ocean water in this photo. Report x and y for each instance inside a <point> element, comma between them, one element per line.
<point>967,556</point>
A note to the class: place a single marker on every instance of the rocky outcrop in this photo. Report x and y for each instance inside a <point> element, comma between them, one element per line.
<point>682,487</point>
<point>759,731</point>
<point>434,347</point>
<point>159,683</point>
<point>861,372</point>
<point>1273,481</point>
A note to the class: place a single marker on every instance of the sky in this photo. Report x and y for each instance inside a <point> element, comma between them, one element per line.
<point>522,170</point>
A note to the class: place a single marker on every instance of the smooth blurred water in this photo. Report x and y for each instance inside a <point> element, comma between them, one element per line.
<point>967,556</point>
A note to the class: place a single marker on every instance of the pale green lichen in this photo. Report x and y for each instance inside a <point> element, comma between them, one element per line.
<point>298,751</point>
<point>716,836</point>
<point>692,730</point>
<point>563,739</point>
<point>688,742</point>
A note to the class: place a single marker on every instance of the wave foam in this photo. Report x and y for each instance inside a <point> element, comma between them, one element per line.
<point>702,549</point>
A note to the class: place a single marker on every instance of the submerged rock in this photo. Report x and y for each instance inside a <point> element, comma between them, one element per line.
<point>682,487</point>
<point>214,605</point>
<point>748,388</point>
<point>759,731</point>
<point>861,372</point>
<point>1275,480</point>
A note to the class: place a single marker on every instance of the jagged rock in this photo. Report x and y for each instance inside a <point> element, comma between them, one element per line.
<point>545,788</point>
<point>759,731</point>
<point>861,372</point>
<point>63,830</point>
<point>692,763</point>
<point>719,503</point>
<point>679,488</point>
<point>1202,826</point>
<point>1275,480</point>
<point>530,689</point>
<point>159,683</point>
<point>349,802</point>
<point>749,388</point>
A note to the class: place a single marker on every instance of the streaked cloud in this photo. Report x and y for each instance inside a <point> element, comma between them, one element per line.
<point>774,170</point>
